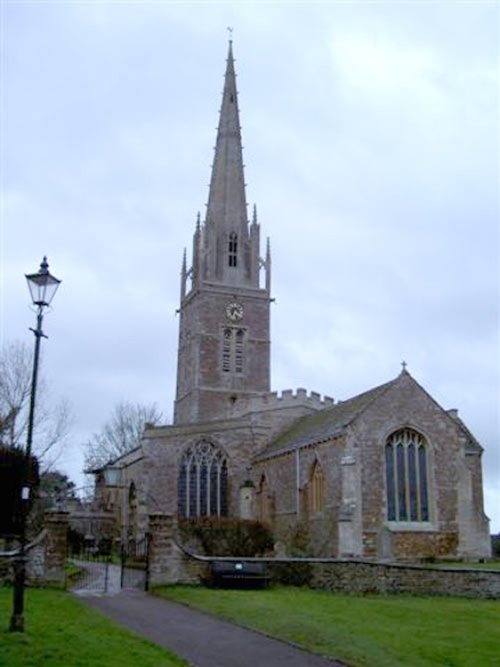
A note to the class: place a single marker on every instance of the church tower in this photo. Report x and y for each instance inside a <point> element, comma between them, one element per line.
<point>224,340</point>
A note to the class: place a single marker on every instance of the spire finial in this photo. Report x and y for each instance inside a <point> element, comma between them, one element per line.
<point>404,365</point>
<point>230,31</point>
<point>254,215</point>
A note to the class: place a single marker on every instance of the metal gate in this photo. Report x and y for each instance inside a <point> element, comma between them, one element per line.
<point>94,572</point>
<point>135,564</point>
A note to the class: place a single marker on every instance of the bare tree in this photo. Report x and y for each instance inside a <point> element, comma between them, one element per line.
<point>120,434</point>
<point>52,423</point>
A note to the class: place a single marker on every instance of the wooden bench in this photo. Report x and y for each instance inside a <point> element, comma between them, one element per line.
<point>238,574</point>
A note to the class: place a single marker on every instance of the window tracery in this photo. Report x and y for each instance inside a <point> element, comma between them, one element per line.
<point>202,481</point>
<point>406,467</point>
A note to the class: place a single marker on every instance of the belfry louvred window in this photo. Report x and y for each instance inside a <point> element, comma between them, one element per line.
<point>233,249</point>
<point>202,482</point>
<point>238,351</point>
<point>406,468</point>
<point>227,349</point>
<point>233,350</point>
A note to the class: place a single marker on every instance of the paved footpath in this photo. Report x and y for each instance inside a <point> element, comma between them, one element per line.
<point>201,639</point>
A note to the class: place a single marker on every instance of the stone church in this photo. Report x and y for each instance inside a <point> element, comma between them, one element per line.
<point>386,474</point>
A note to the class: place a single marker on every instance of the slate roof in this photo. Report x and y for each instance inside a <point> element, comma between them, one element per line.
<point>324,424</point>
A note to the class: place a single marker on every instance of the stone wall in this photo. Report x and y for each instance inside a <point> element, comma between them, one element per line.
<point>35,560</point>
<point>56,548</point>
<point>45,555</point>
<point>362,577</point>
<point>169,564</point>
<point>288,478</point>
<point>353,463</point>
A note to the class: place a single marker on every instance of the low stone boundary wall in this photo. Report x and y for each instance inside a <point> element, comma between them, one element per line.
<point>45,556</point>
<point>170,563</point>
<point>365,577</point>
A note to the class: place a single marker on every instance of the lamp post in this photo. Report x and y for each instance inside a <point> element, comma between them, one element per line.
<point>42,286</point>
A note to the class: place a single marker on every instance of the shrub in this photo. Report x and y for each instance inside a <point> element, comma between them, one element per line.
<point>227,536</point>
<point>16,471</point>
<point>295,574</point>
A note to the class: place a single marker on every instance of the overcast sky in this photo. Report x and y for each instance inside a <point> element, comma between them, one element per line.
<point>371,149</point>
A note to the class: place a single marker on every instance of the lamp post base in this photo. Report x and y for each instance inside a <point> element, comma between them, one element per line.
<point>17,618</point>
<point>16,623</point>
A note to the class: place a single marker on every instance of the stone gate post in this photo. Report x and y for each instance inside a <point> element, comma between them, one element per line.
<point>56,547</point>
<point>167,562</point>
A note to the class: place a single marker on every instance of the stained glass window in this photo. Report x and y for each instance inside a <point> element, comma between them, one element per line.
<point>406,476</point>
<point>424,496</point>
<point>389,471</point>
<point>202,482</point>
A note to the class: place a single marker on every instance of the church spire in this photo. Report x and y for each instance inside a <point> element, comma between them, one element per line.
<point>224,347</point>
<point>227,209</point>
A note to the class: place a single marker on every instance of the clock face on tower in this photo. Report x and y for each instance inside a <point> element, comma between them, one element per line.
<point>234,311</point>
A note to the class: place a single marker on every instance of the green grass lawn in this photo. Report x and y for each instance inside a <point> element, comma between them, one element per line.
<point>370,631</point>
<point>60,631</point>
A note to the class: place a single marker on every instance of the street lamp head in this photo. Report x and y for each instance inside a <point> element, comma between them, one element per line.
<point>42,285</point>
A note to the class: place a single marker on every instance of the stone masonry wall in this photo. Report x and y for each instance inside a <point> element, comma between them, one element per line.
<point>46,555</point>
<point>407,405</point>
<point>168,564</point>
<point>56,548</point>
<point>288,477</point>
<point>204,391</point>
<point>362,578</point>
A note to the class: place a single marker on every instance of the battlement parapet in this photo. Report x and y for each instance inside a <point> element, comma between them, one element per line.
<point>287,398</point>
<point>300,394</point>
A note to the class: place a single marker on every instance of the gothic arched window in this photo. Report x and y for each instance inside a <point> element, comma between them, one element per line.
<point>317,488</point>
<point>233,249</point>
<point>406,469</point>
<point>202,482</point>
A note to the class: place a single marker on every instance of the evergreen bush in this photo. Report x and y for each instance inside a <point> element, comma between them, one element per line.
<point>226,536</point>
